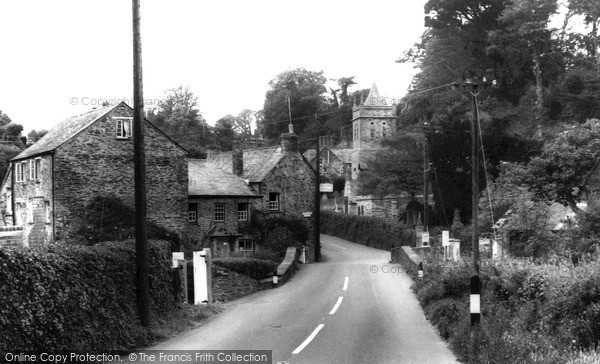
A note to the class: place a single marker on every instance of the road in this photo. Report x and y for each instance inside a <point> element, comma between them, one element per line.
<point>354,307</point>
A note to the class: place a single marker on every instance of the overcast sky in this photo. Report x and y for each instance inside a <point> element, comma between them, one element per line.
<point>58,58</point>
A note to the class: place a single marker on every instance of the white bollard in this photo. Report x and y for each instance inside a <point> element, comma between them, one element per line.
<point>200,278</point>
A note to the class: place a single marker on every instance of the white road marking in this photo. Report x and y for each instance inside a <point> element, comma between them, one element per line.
<point>308,339</point>
<point>337,246</point>
<point>345,283</point>
<point>337,305</point>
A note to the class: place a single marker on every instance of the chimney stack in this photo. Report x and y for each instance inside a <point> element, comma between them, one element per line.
<point>289,142</point>
<point>237,159</point>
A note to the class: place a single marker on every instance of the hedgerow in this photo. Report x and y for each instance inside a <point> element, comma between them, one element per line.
<point>531,312</point>
<point>253,268</point>
<point>370,231</point>
<point>79,297</point>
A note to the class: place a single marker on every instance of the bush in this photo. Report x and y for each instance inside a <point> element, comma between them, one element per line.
<point>79,297</point>
<point>370,231</point>
<point>253,268</point>
<point>107,218</point>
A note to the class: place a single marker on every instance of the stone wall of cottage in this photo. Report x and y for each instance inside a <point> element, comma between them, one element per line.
<point>96,163</point>
<point>221,236</point>
<point>293,179</point>
<point>33,202</point>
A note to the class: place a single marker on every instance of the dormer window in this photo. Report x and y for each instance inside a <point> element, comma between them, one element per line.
<point>123,127</point>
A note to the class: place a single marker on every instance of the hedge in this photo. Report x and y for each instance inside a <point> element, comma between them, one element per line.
<point>531,312</point>
<point>79,297</point>
<point>370,231</point>
<point>253,268</point>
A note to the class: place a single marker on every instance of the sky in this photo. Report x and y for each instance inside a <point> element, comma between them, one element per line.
<point>62,58</point>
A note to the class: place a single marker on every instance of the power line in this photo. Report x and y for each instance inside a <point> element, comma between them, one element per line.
<point>431,89</point>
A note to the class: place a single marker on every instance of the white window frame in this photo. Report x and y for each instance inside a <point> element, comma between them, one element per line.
<point>192,212</point>
<point>18,177</point>
<point>219,214</point>
<point>35,166</point>
<point>20,171</point>
<point>243,245</point>
<point>123,127</point>
<point>243,214</point>
<point>274,204</point>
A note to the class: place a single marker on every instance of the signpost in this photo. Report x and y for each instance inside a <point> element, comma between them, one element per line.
<point>326,187</point>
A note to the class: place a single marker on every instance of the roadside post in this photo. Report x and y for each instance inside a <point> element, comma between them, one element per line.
<point>209,274</point>
<point>200,278</point>
<point>179,266</point>
<point>446,243</point>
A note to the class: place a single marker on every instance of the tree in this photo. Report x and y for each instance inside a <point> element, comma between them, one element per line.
<point>393,170</point>
<point>33,136</point>
<point>590,9</point>
<point>305,91</point>
<point>526,24</point>
<point>243,124</point>
<point>224,133</point>
<point>178,116</point>
<point>559,173</point>
<point>4,119</point>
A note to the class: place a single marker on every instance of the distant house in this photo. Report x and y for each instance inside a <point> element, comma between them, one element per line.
<point>87,156</point>
<point>219,206</point>
<point>280,174</point>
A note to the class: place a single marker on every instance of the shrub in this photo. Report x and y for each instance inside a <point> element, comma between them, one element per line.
<point>107,218</point>
<point>253,268</point>
<point>370,231</point>
<point>79,297</point>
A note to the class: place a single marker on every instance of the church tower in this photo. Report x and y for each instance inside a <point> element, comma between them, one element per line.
<point>373,119</point>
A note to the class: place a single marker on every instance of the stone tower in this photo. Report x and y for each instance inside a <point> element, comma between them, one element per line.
<point>372,120</point>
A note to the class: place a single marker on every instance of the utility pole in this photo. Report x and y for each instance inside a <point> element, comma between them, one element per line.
<point>475,282</point>
<point>425,187</point>
<point>139,162</point>
<point>318,201</point>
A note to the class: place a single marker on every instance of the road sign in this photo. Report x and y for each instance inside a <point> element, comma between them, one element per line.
<point>326,187</point>
<point>445,238</point>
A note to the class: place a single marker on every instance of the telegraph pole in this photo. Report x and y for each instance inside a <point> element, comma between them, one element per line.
<point>318,201</point>
<point>425,187</point>
<point>475,282</point>
<point>139,162</point>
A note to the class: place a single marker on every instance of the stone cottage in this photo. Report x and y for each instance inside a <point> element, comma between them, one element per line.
<point>219,207</point>
<point>91,155</point>
<point>280,174</point>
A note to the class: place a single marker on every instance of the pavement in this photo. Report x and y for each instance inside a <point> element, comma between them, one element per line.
<point>353,307</point>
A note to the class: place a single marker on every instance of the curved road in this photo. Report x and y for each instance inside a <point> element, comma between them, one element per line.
<point>354,307</point>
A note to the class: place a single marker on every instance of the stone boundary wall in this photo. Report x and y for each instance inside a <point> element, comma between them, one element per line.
<point>11,236</point>
<point>289,264</point>
<point>407,258</point>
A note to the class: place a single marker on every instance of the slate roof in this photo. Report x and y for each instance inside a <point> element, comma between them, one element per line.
<point>258,163</point>
<point>344,154</point>
<point>72,126</point>
<point>206,179</point>
<point>64,131</point>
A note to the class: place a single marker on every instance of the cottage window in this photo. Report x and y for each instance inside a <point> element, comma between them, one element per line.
<point>18,175</point>
<point>20,171</point>
<point>192,212</point>
<point>47,207</point>
<point>242,212</point>
<point>273,201</point>
<point>123,126</point>
<point>35,166</point>
<point>219,211</point>
<point>246,246</point>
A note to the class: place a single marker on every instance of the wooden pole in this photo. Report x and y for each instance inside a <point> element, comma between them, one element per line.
<point>425,187</point>
<point>139,161</point>
<point>475,283</point>
<point>318,203</point>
